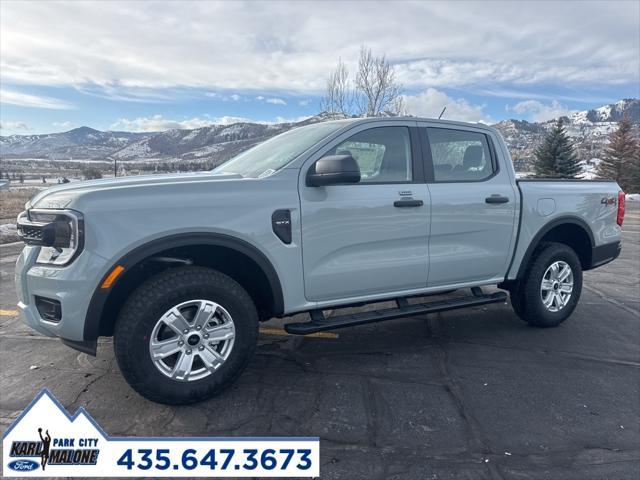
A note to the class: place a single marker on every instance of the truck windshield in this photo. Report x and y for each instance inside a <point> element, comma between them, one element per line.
<point>268,157</point>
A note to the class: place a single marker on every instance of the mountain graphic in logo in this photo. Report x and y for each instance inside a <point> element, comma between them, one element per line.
<point>46,438</point>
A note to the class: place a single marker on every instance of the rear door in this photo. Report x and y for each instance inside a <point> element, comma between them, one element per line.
<point>473,206</point>
<point>371,237</point>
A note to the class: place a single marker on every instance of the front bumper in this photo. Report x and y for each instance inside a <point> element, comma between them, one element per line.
<point>72,286</point>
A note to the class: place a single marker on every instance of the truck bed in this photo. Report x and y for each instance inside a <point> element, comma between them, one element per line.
<point>588,204</point>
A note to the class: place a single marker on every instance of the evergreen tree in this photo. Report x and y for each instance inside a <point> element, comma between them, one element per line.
<point>621,159</point>
<point>634,184</point>
<point>556,158</point>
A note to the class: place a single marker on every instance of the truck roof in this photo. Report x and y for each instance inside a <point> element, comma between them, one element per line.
<point>444,123</point>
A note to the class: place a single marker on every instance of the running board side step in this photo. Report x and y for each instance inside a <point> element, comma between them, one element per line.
<point>319,323</point>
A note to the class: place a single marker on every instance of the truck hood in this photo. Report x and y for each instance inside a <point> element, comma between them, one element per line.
<point>62,196</point>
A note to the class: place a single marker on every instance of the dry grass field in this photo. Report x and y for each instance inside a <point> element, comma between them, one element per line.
<point>12,201</point>
<point>11,204</point>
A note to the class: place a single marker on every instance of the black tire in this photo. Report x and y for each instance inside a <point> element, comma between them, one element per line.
<point>145,307</point>
<point>527,300</point>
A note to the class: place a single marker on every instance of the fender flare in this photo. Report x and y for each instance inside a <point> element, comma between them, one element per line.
<point>546,228</point>
<point>140,253</point>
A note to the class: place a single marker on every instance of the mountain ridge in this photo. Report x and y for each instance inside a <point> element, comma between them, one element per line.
<point>217,143</point>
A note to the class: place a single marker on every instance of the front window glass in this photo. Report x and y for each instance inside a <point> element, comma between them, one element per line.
<point>383,154</point>
<point>268,157</point>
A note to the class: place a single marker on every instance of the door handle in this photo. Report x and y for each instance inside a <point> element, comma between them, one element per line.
<point>495,198</point>
<point>408,203</point>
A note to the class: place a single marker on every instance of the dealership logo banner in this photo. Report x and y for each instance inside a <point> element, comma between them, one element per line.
<point>45,441</point>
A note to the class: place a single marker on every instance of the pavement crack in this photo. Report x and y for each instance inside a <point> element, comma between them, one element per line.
<point>97,378</point>
<point>608,299</point>
<point>370,399</point>
<point>571,355</point>
<point>477,439</point>
<point>168,421</point>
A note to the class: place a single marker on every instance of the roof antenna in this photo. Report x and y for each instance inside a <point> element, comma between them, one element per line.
<point>440,116</point>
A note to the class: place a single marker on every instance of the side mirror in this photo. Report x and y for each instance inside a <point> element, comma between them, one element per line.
<point>333,170</point>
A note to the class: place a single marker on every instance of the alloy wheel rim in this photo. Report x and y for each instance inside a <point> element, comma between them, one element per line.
<point>192,340</point>
<point>556,287</point>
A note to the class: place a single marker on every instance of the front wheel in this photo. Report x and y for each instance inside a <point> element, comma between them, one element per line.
<point>185,335</point>
<point>551,288</point>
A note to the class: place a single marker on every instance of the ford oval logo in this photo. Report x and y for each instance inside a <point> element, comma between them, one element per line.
<point>23,465</point>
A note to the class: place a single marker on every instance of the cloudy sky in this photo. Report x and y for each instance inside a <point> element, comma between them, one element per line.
<point>141,65</point>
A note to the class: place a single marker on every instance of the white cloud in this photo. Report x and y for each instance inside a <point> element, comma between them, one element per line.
<point>291,46</point>
<point>276,101</point>
<point>430,103</point>
<point>289,120</point>
<point>540,112</point>
<point>304,103</point>
<point>229,120</point>
<point>26,100</point>
<point>271,100</point>
<point>158,123</point>
<point>65,125</point>
<point>121,93</point>
<point>225,98</point>
<point>531,94</point>
<point>14,126</point>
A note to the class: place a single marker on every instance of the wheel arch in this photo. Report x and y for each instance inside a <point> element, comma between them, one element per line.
<point>569,230</point>
<point>105,303</point>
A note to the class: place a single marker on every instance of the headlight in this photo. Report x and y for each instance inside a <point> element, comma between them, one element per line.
<point>60,233</point>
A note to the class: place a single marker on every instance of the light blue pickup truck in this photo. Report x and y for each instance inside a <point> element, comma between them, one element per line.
<point>181,269</point>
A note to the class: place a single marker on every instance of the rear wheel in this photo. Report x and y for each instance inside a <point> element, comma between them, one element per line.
<point>185,335</point>
<point>551,288</point>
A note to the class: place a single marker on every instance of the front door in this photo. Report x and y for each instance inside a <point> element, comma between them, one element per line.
<point>473,207</point>
<point>371,237</point>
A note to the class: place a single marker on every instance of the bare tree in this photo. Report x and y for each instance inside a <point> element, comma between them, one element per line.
<point>377,90</point>
<point>399,106</point>
<point>337,99</point>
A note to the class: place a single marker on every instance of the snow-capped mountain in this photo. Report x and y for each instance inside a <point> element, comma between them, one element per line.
<point>199,143</point>
<point>217,143</point>
<point>589,130</point>
<point>79,143</point>
<point>214,143</point>
<point>609,113</point>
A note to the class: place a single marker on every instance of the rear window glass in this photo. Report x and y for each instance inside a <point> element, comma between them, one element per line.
<point>459,155</point>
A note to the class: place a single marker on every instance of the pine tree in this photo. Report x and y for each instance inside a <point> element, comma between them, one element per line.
<point>556,157</point>
<point>621,159</point>
<point>634,183</point>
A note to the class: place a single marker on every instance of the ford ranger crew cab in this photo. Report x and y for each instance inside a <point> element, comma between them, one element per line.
<point>180,269</point>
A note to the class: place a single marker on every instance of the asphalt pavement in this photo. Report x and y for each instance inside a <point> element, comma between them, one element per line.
<point>466,394</point>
